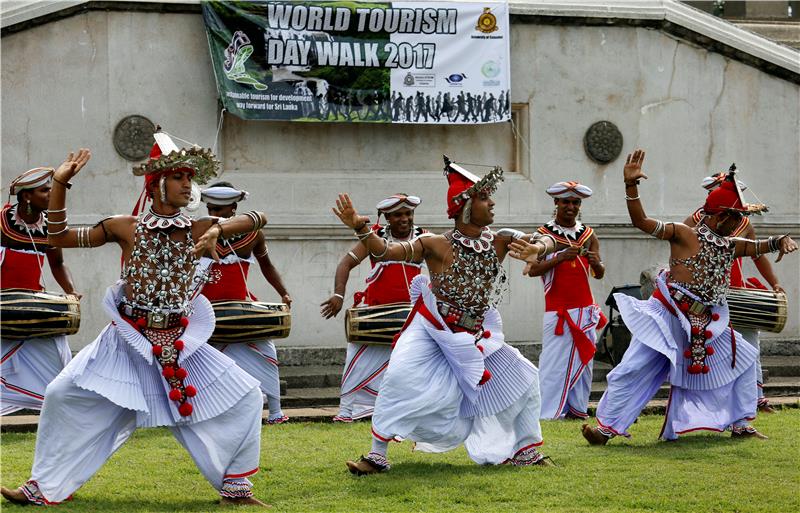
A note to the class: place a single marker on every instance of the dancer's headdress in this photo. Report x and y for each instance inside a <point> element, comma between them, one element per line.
<point>31,179</point>
<point>712,182</point>
<point>223,194</point>
<point>463,185</point>
<point>396,202</point>
<point>728,197</point>
<point>569,190</point>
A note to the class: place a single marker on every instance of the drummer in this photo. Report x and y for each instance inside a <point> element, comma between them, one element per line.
<point>743,228</point>
<point>258,357</point>
<point>388,282</point>
<point>29,365</point>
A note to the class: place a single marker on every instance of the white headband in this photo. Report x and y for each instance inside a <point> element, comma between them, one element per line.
<point>712,182</point>
<point>31,179</point>
<point>223,195</point>
<point>396,202</point>
<point>569,190</point>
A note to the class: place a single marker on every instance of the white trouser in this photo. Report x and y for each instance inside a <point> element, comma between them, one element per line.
<point>28,366</point>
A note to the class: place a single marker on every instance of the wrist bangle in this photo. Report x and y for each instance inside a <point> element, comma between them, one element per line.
<point>363,236</point>
<point>631,184</point>
<point>628,198</point>
<point>68,185</point>
<point>339,296</point>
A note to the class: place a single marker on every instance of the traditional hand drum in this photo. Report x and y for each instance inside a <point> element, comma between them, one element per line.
<point>375,324</point>
<point>248,321</point>
<point>757,309</point>
<point>28,314</point>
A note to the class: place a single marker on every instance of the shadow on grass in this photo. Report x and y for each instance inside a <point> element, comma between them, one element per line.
<point>131,506</point>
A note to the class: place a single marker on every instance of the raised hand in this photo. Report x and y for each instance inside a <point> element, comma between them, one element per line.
<point>287,300</point>
<point>346,213</point>
<point>787,246</point>
<point>72,164</point>
<point>633,167</point>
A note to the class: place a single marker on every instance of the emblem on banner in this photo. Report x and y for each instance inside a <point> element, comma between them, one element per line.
<point>236,54</point>
<point>409,79</point>
<point>455,78</point>
<point>487,22</point>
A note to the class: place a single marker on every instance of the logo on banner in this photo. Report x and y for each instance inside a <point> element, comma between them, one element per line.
<point>236,54</point>
<point>490,69</point>
<point>487,22</point>
<point>409,79</point>
<point>455,79</point>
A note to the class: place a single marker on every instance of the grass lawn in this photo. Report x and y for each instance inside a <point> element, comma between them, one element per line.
<point>303,470</point>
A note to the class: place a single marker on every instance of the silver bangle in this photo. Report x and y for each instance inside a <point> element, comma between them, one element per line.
<point>628,198</point>
<point>83,237</point>
<point>58,222</point>
<point>339,296</point>
<point>66,228</point>
<point>385,249</point>
<point>363,236</point>
<point>264,253</point>
<point>51,211</point>
<point>353,256</point>
<point>658,230</point>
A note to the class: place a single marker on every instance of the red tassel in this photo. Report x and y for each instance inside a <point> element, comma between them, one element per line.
<point>695,369</point>
<point>480,347</point>
<point>687,353</point>
<point>709,350</point>
<point>157,350</point>
<point>184,322</point>
<point>486,377</point>
<point>708,334</point>
<point>168,372</point>
<point>487,334</point>
<point>715,316</point>
<point>706,369</point>
<point>185,409</point>
<point>559,327</point>
<point>141,323</point>
<point>181,373</point>
<point>695,330</point>
<point>190,391</point>
<point>179,345</point>
<point>175,394</point>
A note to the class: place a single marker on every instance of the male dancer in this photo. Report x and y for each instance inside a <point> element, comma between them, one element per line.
<point>451,378</point>
<point>29,365</point>
<point>744,228</point>
<point>259,357</point>
<point>151,366</point>
<point>388,282</point>
<point>682,333</point>
<point>565,365</point>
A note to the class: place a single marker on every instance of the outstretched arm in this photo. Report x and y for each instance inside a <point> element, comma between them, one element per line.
<point>333,305</point>
<point>261,253</point>
<point>781,244</point>
<point>212,229</point>
<point>378,248</point>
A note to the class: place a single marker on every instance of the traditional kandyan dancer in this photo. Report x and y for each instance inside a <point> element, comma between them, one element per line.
<point>565,365</point>
<point>682,333</point>
<point>151,366</point>
<point>28,366</point>
<point>744,228</point>
<point>451,378</point>
<point>258,357</point>
<point>388,282</point>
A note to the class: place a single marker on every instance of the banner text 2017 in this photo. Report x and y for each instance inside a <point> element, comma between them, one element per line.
<point>341,19</point>
<point>299,52</point>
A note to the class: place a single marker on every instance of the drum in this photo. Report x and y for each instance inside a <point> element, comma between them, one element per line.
<point>375,324</point>
<point>759,309</point>
<point>248,321</point>
<point>28,314</point>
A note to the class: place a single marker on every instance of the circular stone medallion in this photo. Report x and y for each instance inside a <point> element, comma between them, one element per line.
<point>603,142</point>
<point>133,137</point>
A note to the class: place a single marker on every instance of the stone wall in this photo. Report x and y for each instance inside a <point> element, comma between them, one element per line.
<point>67,83</point>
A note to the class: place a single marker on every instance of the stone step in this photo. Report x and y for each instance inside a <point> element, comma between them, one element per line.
<point>329,396</point>
<point>294,356</point>
<point>312,376</point>
<point>781,366</point>
<point>29,423</point>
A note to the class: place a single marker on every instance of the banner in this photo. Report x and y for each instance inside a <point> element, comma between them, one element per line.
<point>376,62</point>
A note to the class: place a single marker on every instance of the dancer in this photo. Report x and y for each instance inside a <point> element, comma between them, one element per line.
<point>151,366</point>
<point>682,333</point>
<point>388,282</point>
<point>565,365</point>
<point>744,228</point>
<point>28,366</point>
<point>451,378</point>
<point>259,358</point>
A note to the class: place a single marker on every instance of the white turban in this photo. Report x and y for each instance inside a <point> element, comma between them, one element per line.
<point>223,195</point>
<point>569,190</point>
<point>396,202</point>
